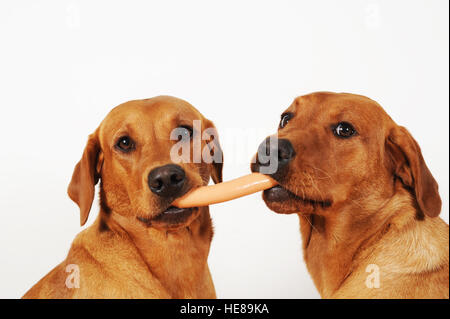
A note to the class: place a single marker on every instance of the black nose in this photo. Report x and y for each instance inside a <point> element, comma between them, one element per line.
<point>167,180</point>
<point>275,153</point>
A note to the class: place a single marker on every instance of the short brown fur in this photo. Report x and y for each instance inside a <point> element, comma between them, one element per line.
<point>119,256</point>
<point>382,202</point>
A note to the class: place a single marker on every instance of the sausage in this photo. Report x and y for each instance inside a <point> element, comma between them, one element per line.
<point>222,192</point>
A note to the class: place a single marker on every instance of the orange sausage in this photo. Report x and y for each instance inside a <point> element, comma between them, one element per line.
<point>222,192</point>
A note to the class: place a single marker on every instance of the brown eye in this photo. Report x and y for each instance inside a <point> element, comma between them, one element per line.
<point>184,133</point>
<point>285,117</point>
<point>344,130</point>
<point>125,144</point>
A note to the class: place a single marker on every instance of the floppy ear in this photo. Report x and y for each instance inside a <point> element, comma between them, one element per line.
<point>85,175</point>
<point>409,166</point>
<point>215,151</point>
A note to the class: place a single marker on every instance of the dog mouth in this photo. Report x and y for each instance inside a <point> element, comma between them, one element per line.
<point>171,217</point>
<point>282,200</point>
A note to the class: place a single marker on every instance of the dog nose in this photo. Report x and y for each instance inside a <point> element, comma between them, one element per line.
<point>167,180</point>
<point>285,152</point>
<point>274,152</point>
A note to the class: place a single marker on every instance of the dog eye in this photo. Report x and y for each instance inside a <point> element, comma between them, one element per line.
<point>125,144</point>
<point>285,117</point>
<point>184,133</point>
<point>344,130</point>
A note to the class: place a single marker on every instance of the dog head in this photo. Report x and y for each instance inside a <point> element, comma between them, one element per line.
<point>145,153</point>
<point>332,149</point>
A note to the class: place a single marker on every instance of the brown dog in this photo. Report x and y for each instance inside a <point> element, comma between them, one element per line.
<point>139,246</point>
<point>367,203</point>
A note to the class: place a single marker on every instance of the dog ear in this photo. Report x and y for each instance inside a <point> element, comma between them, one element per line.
<point>409,166</point>
<point>85,176</point>
<point>214,151</point>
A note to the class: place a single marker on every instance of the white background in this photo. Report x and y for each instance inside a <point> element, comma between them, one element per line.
<point>65,64</point>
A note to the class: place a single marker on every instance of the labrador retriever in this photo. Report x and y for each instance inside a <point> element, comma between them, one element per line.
<point>367,203</point>
<point>139,246</point>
